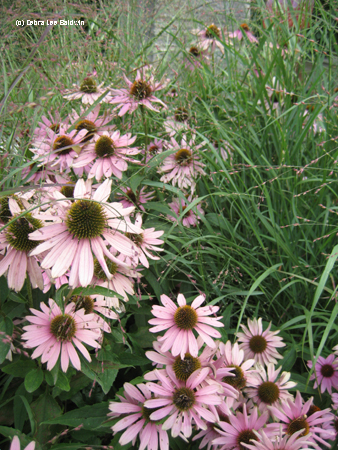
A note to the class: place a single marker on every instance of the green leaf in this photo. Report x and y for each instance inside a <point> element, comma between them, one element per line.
<point>90,416</point>
<point>103,375</point>
<point>24,440</point>
<point>96,290</point>
<point>133,360</point>
<point>19,368</point>
<point>289,359</point>
<point>33,379</point>
<point>62,381</point>
<point>6,327</point>
<point>45,407</point>
<point>3,289</point>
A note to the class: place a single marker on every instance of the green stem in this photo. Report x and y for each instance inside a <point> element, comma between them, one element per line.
<point>145,125</point>
<point>29,292</point>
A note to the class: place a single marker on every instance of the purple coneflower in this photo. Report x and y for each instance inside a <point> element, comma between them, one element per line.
<point>326,373</point>
<point>190,218</point>
<point>88,91</point>
<point>209,37</point>
<point>243,29</point>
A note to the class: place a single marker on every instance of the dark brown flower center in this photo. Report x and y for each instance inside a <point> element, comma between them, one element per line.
<point>245,27</point>
<point>244,437</point>
<point>238,381</point>
<point>327,370</point>
<point>132,196</point>
<point>17,233</point>
<point>184,399</point>
<point>140,90</point>
<point>183,368</point>
<point>185,317</point>
<point>195,52</point>
<point>183,157</point>
<point>298,424</point>
<point>89,126</point>
<point>5,212</point>
<point>153,149</point>
<point>104,147</point>
<point>88,86</point>
<point>85,302</point>
<point>68,190</point>
<point>181,115</point>
<point>55,127</point>
<point>99,272</point>
<point>63,327</point>
<point>268,392</point>
<point>62,145</point>
<point>211,31</point>
<point>312,410</point>
<point>86,219</point>
<point>258,344</point>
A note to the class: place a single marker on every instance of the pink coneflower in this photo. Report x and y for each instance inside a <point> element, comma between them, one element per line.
<point>181,321</point>
<point>265,389</point>
<point>48,280</point>
<point>154,148</point>
<point>226,151</point>
<point>88,91</point>
<point>243,29</point>
<point>196,57</point>
<point>137,419</point>
<point>15,238</point>
<point>210,37</point>
<point>51,124</point>
<point>92,122</point>
<point>183,166</point>
<point>134,198</point>
<point>97,303</point>
<point>295,416</point>
<point>15,445</point>
<point>144,242</point>
<point>86,226</point>
<point>258,344</point>
<point>183,401</point>
<point>139,93</point>
<point>232,357</point>
<point>326,373</point>
<point>43,172</point>
<point>59,149</point>
<point>191,217</point>
<point>55,334</point>
<point>334,398</point>
<point>109,154</point>
<point>240,429</point>
<point>178,122</point>
<point>281,442</point>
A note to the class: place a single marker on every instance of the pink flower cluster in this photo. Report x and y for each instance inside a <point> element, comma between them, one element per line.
<point>232,394</point>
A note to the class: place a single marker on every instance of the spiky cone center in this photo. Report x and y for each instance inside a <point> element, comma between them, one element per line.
<point>184,399</point>
<point>183,368</point>
<point>105,147</point>
<point>88,86</point>
<point>63,327</point>
<point>68,190</point>
<point>335,425</point>
<point>258,344</point>
<point>89,126</point>
<point>153,149</point>
<point>185,317</point>
<point>62,145</point>
<point>298,424</point>
<point>183,157</point>
<point>268,392</point>
<point>85,302</point>
<point>238,381</point>
<point>99,272</point>
<point>181,115</point>
<point>140,90</point>
<point>327,370</point>
<point>132,196</point>
<point>5,212</point>
<point>193,51</point>
<point>136,238</point>
<point>312,410</point>
<point>211,31</point>
<point>244,437</point>
<point>245,27</point>
<point>86,219</point>
<point>17,233</point>
<point>55,127</point>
